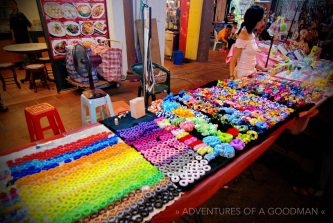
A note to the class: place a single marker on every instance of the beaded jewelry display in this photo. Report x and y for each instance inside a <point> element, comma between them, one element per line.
<point>96,178</point>
<point>62,154</point>
<point>239,108</point>
<point>85,184</point>
<point>139,205</point>
<point>290,93</point>
<point>169,147</point>
<point>247,116</point>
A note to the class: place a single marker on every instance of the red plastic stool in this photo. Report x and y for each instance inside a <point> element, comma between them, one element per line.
<point>34,113</point>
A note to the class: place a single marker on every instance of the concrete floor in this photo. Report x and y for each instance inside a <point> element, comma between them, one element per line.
<point>266,184</point>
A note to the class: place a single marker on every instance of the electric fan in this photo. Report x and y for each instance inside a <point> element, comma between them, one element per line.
<point>85,64</point>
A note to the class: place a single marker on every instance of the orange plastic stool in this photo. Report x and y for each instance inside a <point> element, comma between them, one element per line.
<point>120,107</point>
<point>34,113</point>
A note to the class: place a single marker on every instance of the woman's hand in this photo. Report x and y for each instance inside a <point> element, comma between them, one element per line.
<point>233,76</point>
<point>265,69</point>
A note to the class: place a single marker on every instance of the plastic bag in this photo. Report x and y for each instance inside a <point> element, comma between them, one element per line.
<point>111,67</point>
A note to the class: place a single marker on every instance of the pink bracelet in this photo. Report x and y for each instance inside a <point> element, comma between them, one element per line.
<point>190,141</point>
<point>199,146</point>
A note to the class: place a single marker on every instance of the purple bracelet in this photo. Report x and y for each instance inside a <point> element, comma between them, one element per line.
<point>237,143</point>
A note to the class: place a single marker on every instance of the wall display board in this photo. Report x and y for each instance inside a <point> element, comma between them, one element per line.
<point>77,21</point>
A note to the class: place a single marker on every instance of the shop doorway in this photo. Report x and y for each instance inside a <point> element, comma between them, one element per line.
<point>172,29</point>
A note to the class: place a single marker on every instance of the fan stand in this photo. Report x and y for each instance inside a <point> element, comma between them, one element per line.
<point>93,93</point>
<point>93,98</point>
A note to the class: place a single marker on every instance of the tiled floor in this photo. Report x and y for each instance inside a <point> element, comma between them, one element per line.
<point>13,127</point>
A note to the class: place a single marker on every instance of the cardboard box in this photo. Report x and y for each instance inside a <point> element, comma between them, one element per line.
<point>137,106</point>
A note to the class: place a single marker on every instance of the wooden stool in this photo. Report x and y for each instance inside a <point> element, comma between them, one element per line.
<point>37,71</point>
<point>44,61</point>
<point>4,80</point>
<point>92,104</point>
<point>33,115</point>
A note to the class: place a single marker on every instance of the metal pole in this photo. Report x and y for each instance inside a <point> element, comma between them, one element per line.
<point>144,53</point>
<point>269,52</point>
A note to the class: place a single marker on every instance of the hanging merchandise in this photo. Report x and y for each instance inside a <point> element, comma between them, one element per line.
<point>149,82</point>
<point>283,27</point>
<point>240,7</point>
<point>83,22</point>
<point>279,27</point>
<point>315,52</point>
<point>287,9</point>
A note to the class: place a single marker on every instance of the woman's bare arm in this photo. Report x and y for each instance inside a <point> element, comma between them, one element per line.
<point>233,62</point>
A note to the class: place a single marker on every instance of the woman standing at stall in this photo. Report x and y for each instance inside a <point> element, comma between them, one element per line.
<point>243,61</point>
<point>19,24</point>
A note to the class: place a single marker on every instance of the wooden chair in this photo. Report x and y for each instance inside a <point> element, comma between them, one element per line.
<point>8,80</point>
<point>37,71</point>
<point>45,59</point>
<point>160,86</point>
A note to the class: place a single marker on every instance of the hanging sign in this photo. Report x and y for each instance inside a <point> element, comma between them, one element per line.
<point>77,21</point>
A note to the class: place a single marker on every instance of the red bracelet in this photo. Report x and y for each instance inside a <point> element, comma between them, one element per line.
<point>60,149</point>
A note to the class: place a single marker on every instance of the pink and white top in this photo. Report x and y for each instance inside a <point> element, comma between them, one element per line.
<point>246,63</point>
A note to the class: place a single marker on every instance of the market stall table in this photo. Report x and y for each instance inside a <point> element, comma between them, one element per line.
<point>308,71</point>
<point>47,141</point>
<point>208,187</point>
<point>190,199</point>
<point>205,189</point>
<point>138,133</point>
<point>57,158</point>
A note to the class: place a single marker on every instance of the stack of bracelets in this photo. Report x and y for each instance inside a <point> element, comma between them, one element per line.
<point>234,109</point>
<point>164,148</point>
<point>11,206</point>
<point>97,178</point>
<point>243,117</point>
<point>294,95</point>
<point>214,143</point>
<point>311,73</point>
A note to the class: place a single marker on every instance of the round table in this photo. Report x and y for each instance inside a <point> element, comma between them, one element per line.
<point>32,49</point>
<point>26,48</point>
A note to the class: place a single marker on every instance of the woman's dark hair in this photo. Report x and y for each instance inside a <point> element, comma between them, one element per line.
<point>252,16</point>
<point>232,8</point>
<point>13,1</point>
